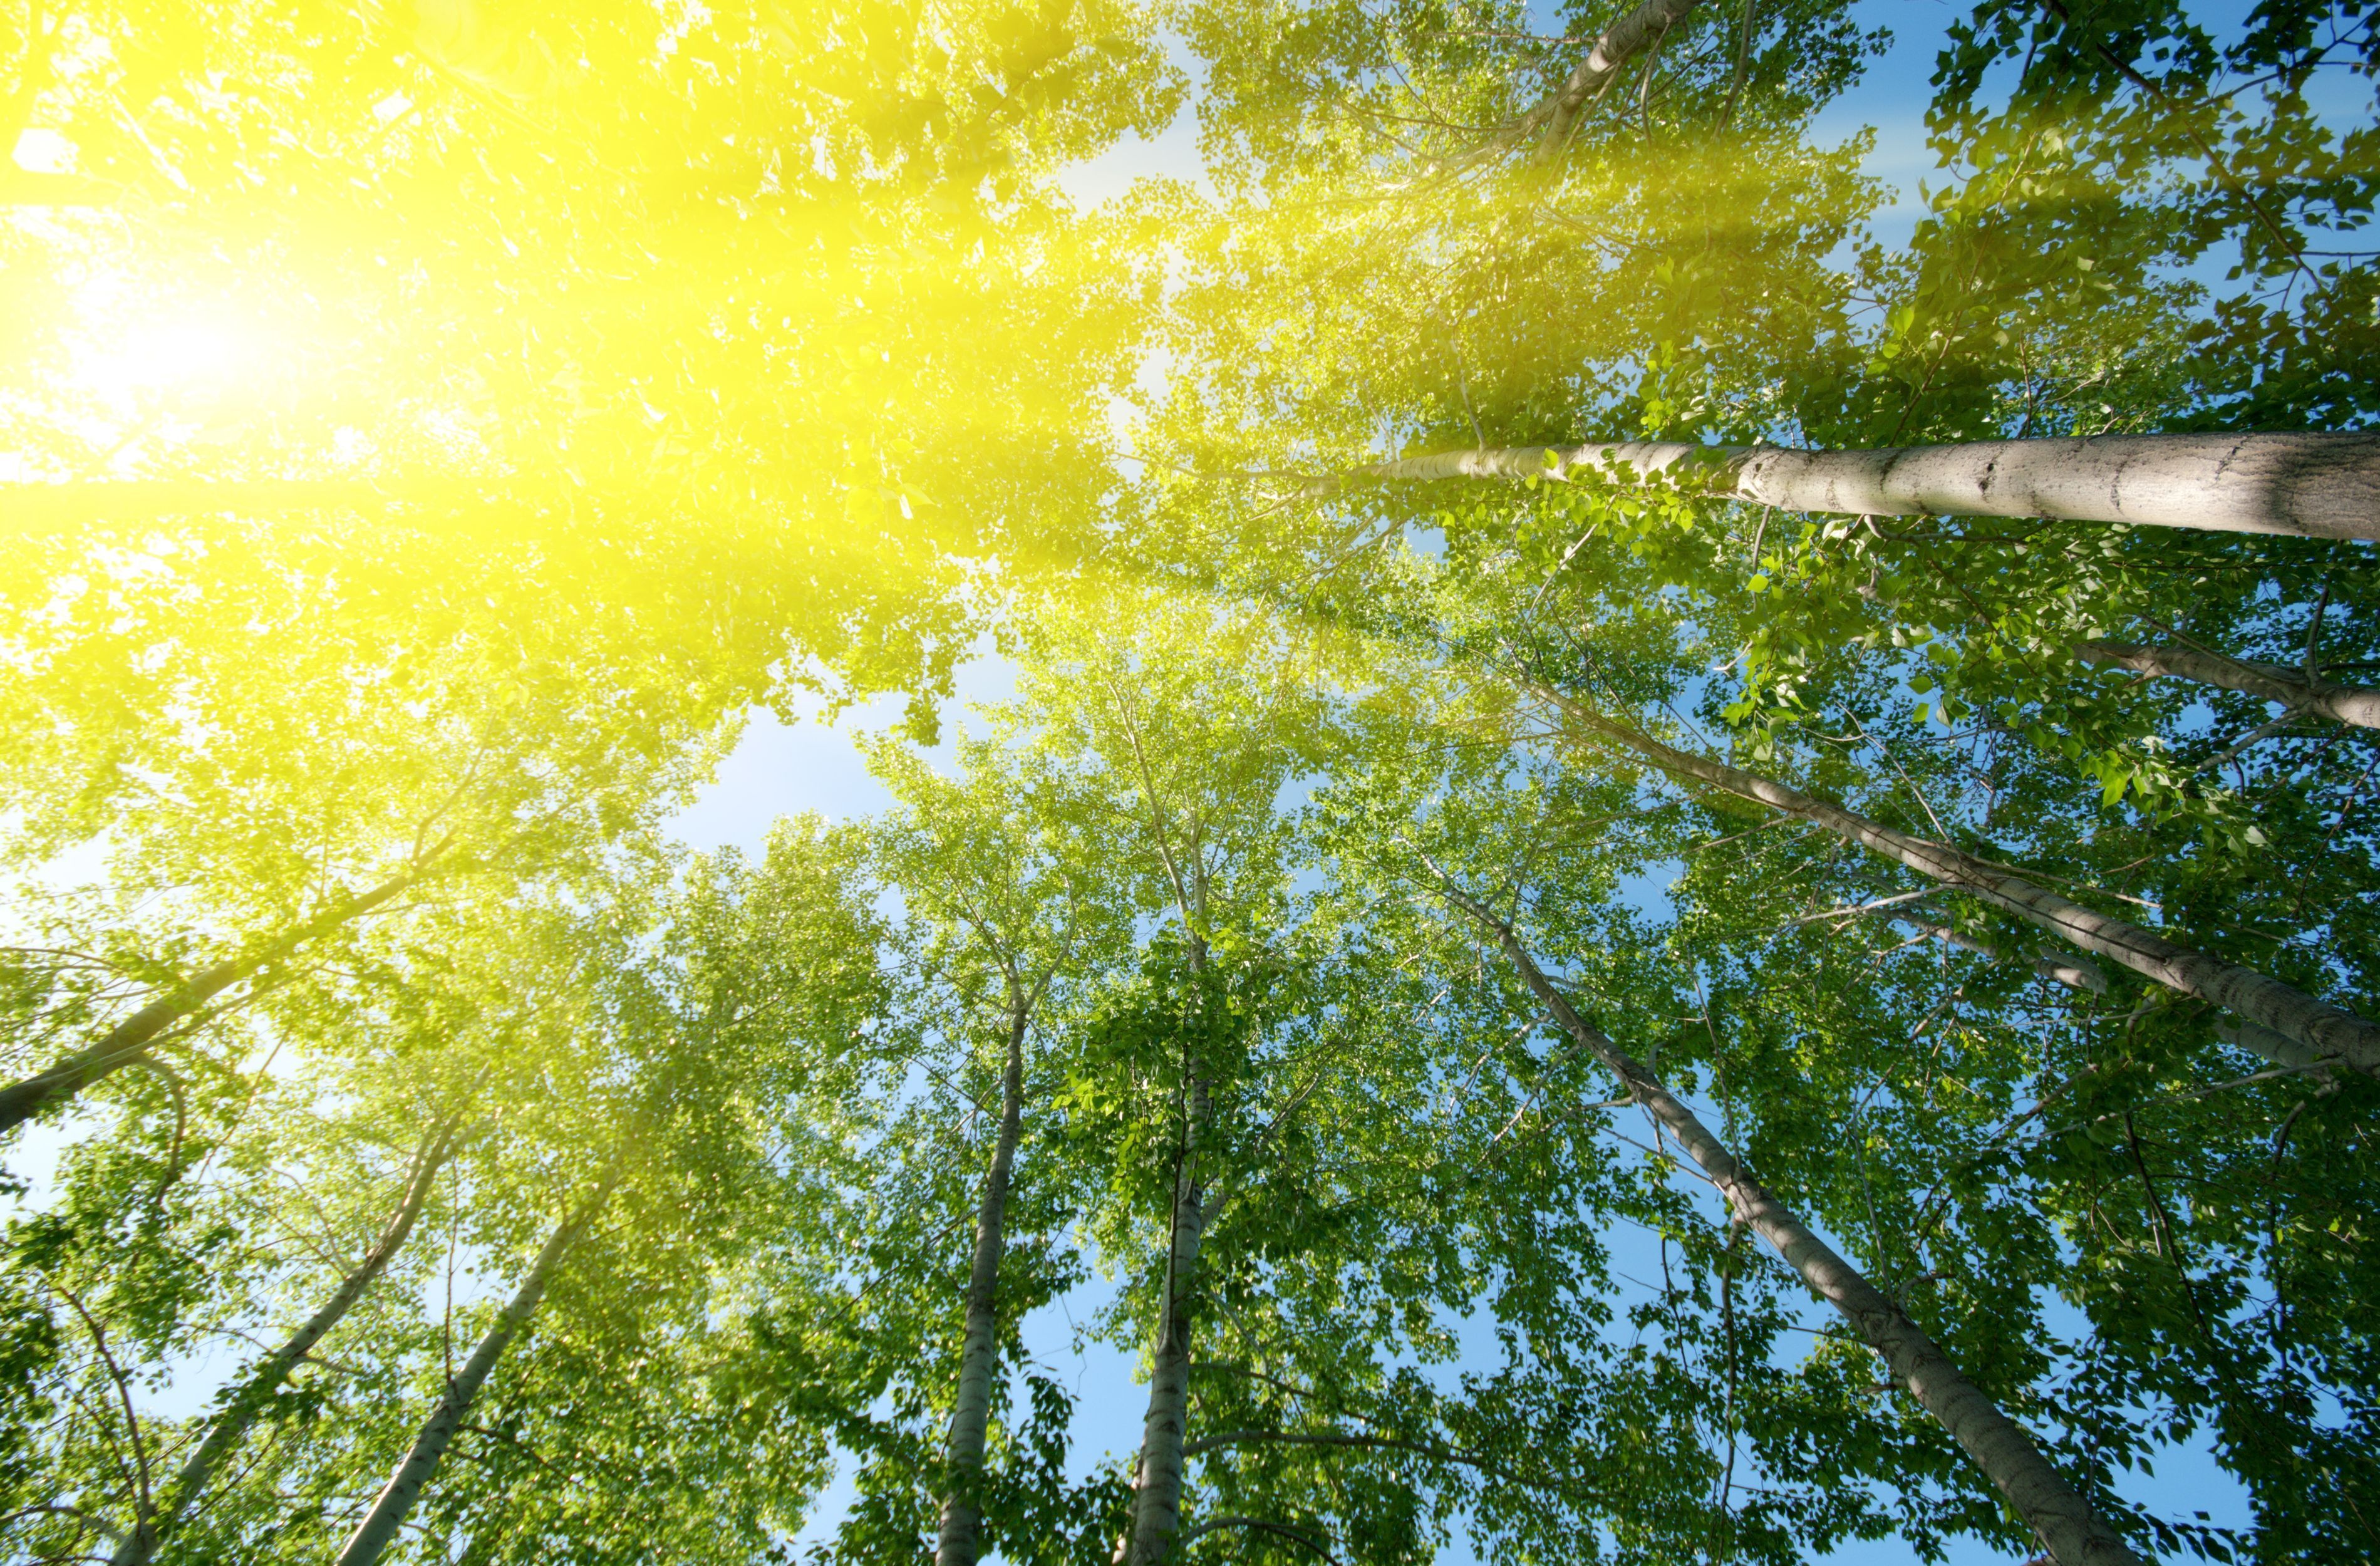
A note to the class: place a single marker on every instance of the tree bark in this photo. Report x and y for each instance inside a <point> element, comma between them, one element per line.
<point>2064,1521</point>
<point>2078,973</point>
<point>241,1411</point>
<point>380,1527</point>
<point>2280,1050</point>
<point>2311,485</point>
<point>1156,1498</point>
<point>979,1360</point>
<point>1550,122</point>
<point>2359,705</point>
<point>1157,1495</point>
<point>2329,1031</point>
<point>130,1038</point>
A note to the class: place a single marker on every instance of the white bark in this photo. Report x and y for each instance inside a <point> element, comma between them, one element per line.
<point>2074,973</point>
<point>190,1484</point>
<point>379,1528</point>
<point>2294,688</point>
<point>962,1520</point>
<point>130,1038</point>
<point>2263,1041</point>
<point>2065,1522</point>
<point>2329,1031</point>
<point>1157,1496</point>
<point>1554,117</point>
<point>2312,485</point>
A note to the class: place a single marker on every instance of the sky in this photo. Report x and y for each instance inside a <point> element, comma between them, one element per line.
<point>813,764</point>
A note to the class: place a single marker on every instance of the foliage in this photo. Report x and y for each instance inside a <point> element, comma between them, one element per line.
<point>431,433</point>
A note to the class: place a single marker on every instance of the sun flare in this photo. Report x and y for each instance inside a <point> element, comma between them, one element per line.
<point>172,354</point>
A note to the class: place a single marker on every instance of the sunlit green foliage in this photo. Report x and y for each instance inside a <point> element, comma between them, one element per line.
<point>432,432</point>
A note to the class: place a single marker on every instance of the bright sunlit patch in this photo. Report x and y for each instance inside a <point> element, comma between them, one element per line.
<point>38,151</point>
<point>165,354</point>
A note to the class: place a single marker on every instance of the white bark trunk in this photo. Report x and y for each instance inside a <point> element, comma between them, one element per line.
<point>2066,1522</point>
<point>2359,705</point>
<point>1157,1494</point>
<point>2263,1041</point>
<point>190,1484</point>
<point>1554,117</point>
<point>2313,485</point>
<point>1156,1498</point>
<point>962,1521</point>
<point>2330,1032</point>
<point>2074,973</point>
<point>379,1528</point>
<point>130,1038</point>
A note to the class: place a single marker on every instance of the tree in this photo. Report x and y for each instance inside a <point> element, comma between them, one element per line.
<point>1899,721</point>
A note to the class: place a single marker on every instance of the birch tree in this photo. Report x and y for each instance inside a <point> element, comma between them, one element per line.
<point>1012,905</point>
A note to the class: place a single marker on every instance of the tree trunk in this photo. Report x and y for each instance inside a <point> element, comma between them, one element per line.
<point>2312,485</point>
<point>129,1039</point>
<point>979,1360</point>
<point>2359,705</point>
<point>2079,973</point>
<point>1156,1500</point>
<point>2329,1031</point>
<point>2066,1522</point>
<point>241,1411</point>
<point>1555,116</point>
<point>2281,1051</point>
<point>1157,1495</point>
<point>380,1527</point>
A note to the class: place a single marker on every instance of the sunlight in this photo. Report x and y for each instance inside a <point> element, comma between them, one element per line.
<point>179,352</point>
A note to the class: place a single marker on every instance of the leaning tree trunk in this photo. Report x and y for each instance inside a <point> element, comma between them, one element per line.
<point>241,1411</point>
<point>979,1360</point>
<point>1550,122</point>
<point>129,1040</point>
<point>380,1527</point>
<point>2065,1522</point>
<point>2293,688</point>
<point>2328,1031</point>
<point>2079,974</point>
<point>2323,485</point>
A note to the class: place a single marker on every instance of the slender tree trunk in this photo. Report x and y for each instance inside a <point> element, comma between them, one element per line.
<point>130,1038</point>
<point>2065,1522</point>
<point>2329,1031</point>
<point>2078,973</point>
<point>241,1411</point>
<point>1156,1498</point>
<point>2359,705</point>
<point>2281,1051</point>
<point>1555,116</point>
<point>2312,485</point>
<point>380,1527</point>
<point>979,1360</point>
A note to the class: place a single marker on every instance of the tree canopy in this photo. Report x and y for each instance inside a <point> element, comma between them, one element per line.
<point>1680,864</point>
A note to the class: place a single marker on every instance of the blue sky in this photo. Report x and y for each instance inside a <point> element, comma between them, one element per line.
<point>811,764</point>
